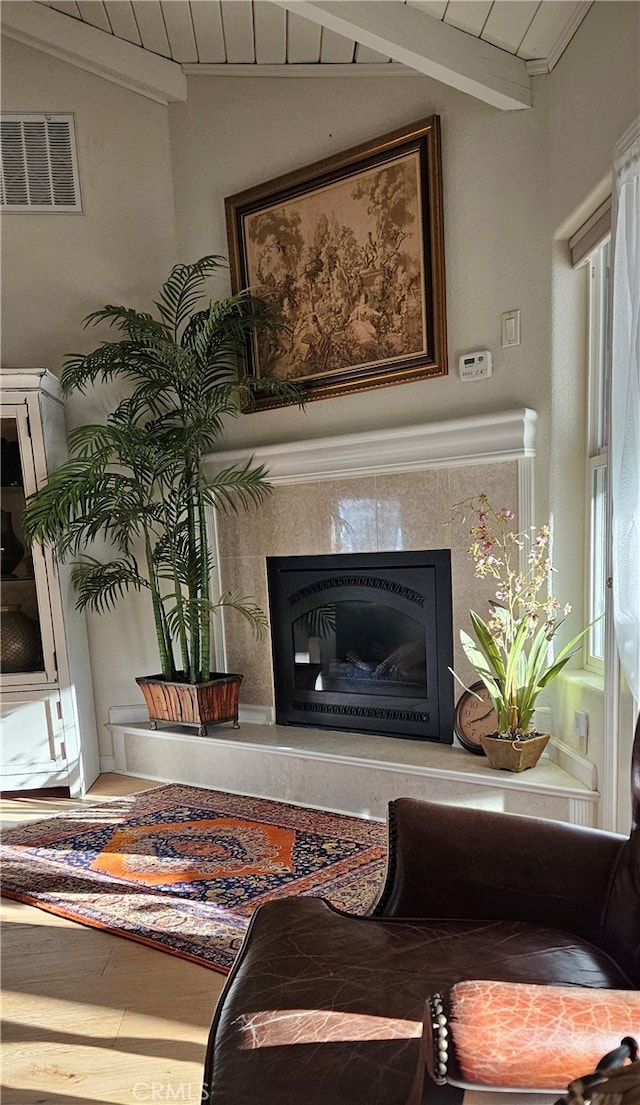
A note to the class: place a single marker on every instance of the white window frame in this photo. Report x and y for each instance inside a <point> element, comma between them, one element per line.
<point>597,454</point>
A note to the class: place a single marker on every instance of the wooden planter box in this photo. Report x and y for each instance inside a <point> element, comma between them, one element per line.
<point>197,704</point>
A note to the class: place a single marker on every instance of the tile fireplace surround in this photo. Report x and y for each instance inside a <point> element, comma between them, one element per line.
<point>390,490</point>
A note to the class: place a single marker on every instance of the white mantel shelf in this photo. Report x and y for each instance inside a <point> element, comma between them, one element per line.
<point>350,773</point>
<point>485,438</point>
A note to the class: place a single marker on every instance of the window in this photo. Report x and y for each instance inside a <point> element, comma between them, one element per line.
<point>598,438</point>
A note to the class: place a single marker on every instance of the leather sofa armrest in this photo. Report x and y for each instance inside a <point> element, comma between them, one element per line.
<point>517,1036</point>
<point>452,862</point>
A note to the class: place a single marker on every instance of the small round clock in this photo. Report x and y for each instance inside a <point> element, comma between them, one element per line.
<point>474,718</point>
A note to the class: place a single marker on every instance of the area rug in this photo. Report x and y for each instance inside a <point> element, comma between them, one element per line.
<point>182,869</point>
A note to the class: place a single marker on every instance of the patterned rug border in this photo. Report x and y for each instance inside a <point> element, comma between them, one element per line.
<point>88,922</point>
<point>215,929</point>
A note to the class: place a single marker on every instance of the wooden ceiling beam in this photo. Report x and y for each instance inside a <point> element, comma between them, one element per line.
<point>426,45</point>
<point>88,48</point>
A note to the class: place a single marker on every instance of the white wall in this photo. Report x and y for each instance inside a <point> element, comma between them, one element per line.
<point>594,95</point>
<point>58,268</point>
<point>236,132</point>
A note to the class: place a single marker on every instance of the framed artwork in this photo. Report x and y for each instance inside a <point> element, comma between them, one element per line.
<point>350,253</point>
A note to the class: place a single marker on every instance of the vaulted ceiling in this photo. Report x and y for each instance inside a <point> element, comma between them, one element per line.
<point>487,48</point>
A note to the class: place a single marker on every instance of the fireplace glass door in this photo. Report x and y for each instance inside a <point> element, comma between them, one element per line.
<point>364,642</point>
<point>360,648</point>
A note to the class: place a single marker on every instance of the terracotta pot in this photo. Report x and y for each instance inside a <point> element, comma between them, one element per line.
<point>514,755</point>
<point>192,703</point>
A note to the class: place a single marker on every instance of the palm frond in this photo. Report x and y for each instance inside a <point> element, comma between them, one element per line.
<point>82,501</point>
<point>109,360</point>
<point>247,609</point>
<point>151,357</point>
<point>246,486</point>
<point>188,612</point>
<point>320,621</point>
<point>229,322</point>
<point>139,325</point>
<point>91,440</point>
<point>99,585</point>
<point>259,387</point>
<point>183,289</point>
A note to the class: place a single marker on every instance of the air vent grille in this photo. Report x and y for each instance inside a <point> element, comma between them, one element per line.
<point>39,171</point>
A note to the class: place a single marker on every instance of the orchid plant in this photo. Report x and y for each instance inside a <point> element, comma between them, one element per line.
<point>510,652</point>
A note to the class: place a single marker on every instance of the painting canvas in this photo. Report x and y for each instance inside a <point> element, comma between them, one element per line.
<point>349,253</point>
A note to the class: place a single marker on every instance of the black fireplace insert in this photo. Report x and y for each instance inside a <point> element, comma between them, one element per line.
<point>364,641</point>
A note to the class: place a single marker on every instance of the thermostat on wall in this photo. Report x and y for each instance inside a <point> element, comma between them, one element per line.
<point>475,366</point>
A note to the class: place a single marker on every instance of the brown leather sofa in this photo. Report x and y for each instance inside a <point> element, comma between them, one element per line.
<point>325,1008</point>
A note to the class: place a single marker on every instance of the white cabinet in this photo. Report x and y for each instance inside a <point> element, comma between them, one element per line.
<point>46,699</point>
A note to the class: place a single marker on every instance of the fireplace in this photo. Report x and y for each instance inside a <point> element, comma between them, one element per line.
<point>364,642</point>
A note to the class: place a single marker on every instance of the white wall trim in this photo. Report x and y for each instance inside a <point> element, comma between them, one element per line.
<point>124,715</point>
<point>579,766</point>
<point>627,140</point>
<point>257,715</point>
<point>505,435</point>
<point>540,66</point>
<point>91,49</point>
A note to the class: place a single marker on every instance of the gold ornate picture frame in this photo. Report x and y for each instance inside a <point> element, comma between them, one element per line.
<point>350,253</point>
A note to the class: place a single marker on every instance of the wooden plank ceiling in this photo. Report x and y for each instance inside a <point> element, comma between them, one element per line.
<point>197,33</point>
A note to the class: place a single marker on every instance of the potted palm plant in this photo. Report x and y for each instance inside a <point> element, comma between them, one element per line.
<point>510,651</point>
<point>137,480</point>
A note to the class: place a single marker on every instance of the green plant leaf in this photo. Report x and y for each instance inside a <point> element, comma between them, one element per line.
<point>99,585</point>
<point>246,486</point>
<point>247,609</point>
<point>488,644</point>
<point>183,289</point>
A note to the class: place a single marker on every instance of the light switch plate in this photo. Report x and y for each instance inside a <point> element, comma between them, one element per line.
<point>510,328</point>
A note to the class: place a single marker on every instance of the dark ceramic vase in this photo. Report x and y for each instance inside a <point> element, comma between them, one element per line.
<point>20,646</point>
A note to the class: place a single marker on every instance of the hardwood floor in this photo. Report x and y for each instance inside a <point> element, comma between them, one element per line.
<point>94,1019</point>
<point>89,1017</point>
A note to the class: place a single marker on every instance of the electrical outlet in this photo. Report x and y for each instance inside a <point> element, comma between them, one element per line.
<point>581,730</point>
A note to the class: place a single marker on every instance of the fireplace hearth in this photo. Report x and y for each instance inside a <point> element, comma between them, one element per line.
<point>364,642</point>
